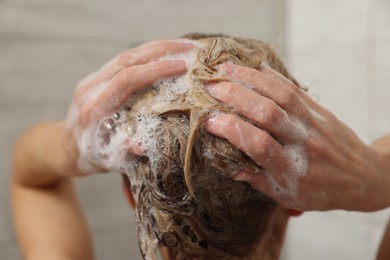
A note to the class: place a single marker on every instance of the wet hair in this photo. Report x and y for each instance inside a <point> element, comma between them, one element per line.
<point>186,198</point>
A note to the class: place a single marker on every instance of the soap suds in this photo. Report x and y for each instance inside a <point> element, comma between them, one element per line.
<point>106,147</point>
<point>296,155</point>
<point>105,142</point>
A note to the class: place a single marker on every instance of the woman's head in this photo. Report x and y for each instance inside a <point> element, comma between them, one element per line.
<point>185,195</point>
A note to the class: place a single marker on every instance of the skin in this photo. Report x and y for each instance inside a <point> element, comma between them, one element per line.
<point>384,248</point>
<point>45,156</point>
<point>268,248</point>
<point>352,175</point>
<point>343,172</point>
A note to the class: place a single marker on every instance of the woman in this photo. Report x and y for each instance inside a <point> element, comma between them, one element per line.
<point>41,186</point>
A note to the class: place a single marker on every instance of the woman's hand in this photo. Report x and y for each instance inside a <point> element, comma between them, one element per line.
<point>311,160</point>
<point>101,94</point>
<point>47,154</point>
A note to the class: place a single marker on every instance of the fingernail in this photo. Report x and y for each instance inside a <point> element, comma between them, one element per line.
<point>294,213</point>
<point>180,63</point>
<point>218,67</point>
<point>187,45</point>
<point>241,176</point>
<point>210,121</point>
<point>211,87</point>
<point>135,148</point>
<point>228,68</point>
<point>265,64</point>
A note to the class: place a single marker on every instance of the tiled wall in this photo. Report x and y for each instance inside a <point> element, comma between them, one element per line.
<point>340,49</point>
<point>46,46</point>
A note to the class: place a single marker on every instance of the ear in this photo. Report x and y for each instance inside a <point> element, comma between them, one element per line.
<point>294,213</point>
<point>126,190</point>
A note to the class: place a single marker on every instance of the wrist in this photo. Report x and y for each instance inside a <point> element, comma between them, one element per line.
<point>67,152</point>
<point>381,147</point>
<point>381,159</point>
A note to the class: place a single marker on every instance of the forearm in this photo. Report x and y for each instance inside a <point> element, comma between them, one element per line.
<point>47,216</point>
<point>49,223</point>
<point>382,144</point>
<point>382,148</point>
<point>48,220</point>
<point>37,156</point>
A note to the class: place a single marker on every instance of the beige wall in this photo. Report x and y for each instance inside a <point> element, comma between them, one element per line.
<point>341,50</point>
<point>46,46</point>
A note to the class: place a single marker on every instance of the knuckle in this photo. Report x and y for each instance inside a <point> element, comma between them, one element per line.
<point>289,96</point>
<point>316,148</point>
<point>262,144</point>
<point>125,57</point>
<point>268,114</point>
<point>330,117</point>
<point>123,77</point>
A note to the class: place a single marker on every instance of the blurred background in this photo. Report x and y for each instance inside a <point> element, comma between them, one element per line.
<point>340,49</point>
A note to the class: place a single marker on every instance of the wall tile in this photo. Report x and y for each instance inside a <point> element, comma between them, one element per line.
<point>103,201</point>
<point>36,84</point>
<point>340,51</point>
<point>338,81</point>
<point>382,21</point>
<point>119,242</point>
<point>317,26</point>
<point>118,20</point>
<point>10,253</point>
<point>47,46</point>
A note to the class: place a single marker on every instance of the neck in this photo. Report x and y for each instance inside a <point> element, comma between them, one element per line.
<point>270,245</point>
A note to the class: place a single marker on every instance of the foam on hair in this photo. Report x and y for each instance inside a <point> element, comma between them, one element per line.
<point>185,196</point>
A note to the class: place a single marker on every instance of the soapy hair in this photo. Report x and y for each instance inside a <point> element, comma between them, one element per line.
<point>186,197</point>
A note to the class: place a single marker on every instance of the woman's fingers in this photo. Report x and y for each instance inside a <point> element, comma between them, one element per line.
<point>152,51</point>
<point>102,94</point>
<point>259,182</point>
<point>275,87</point>
<point>256,143</point>
<point>279,77</point>
<point>137,56</point>
<point>130,80</point>
<point>264,112</point>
